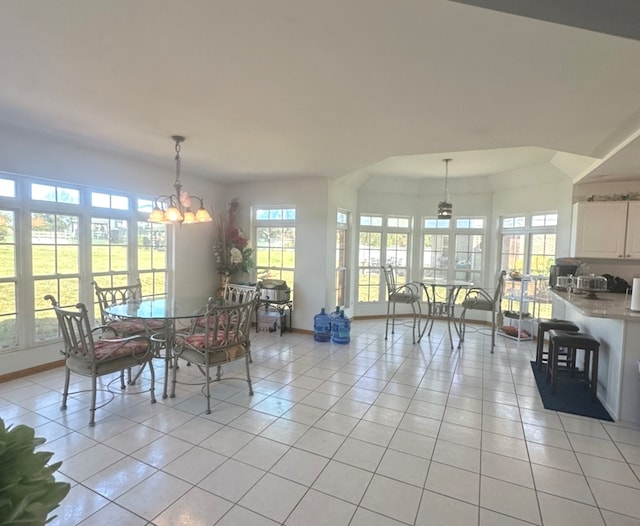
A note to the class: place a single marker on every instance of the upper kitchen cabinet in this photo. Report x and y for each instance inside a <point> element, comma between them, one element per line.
<point>607,229</point>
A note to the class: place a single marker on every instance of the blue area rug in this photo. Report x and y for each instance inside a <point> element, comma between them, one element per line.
<point>572,396</point>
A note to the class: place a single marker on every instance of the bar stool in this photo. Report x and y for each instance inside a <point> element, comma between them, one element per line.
<point>545,325</point>
<point>572,342</point>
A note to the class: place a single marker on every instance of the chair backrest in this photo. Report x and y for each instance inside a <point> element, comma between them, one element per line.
<point>75,328</point>
<point>390,278</point>
<point>235,293</point>
<point>497,295</point>
<point>108,296</point>
<point>228,325</point>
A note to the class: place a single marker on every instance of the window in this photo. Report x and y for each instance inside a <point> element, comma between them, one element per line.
<point>384,240</point>
<point>453,249</point>
<point>341,258</point>
<point>115,202</point>
<point>55,194</point>
<point>528,243</point>
<point>55,263</point>
<point>152,258</point>
<point>55,239</point>
<point>275,243</point>
<point>8,277</point>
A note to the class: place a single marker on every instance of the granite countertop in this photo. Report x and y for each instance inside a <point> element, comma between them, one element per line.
<point>605,305</point>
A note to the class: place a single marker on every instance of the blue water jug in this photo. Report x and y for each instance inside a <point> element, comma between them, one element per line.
<point>341,329</point>
<point>322,327</point>
<point>335,314</point>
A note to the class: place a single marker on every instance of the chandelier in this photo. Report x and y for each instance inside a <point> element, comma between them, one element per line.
<point>445,208</point>
<point>176,208</point>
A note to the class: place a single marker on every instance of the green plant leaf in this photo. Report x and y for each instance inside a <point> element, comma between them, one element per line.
<point>28,488</point>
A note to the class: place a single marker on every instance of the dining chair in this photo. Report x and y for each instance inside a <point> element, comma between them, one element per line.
<point>233,294</point>
<point>120,295</point>
<point>226,337</point>
<point>405,294</point>
<point>88,353</point>
<point>485,300</point>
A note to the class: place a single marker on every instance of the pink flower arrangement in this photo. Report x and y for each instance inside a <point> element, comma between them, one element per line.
<point>232,250</point>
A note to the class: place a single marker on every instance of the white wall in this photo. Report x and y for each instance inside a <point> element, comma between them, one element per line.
<point>313,219</point>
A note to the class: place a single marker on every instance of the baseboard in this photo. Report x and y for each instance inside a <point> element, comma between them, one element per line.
<point>31,370</point>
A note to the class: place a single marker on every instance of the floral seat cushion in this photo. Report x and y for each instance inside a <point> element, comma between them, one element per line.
<point>201,340</point>
<point>222,321</point>
<point>135,326</point>
<point>112,349</point>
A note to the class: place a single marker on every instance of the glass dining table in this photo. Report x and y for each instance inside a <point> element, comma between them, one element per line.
<point>445,306</point>
<point>172,311</point>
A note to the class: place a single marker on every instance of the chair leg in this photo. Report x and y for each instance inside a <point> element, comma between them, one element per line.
<point>413,329</point>
<point>463,326</point>
<point>393,318</point>
<point>553,366</point>
<point>493,330</point>
<point>208,389</point>
<point>386,326</point>
<point>92,409</point>
<point>174,376</point>
<point>153,382</point>
<point>247,360</point>
<point>122,384</point>
<point>65,393</point>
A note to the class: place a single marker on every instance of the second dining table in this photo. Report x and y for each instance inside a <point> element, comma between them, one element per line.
<point>447,304</point>
<point>171,310</point>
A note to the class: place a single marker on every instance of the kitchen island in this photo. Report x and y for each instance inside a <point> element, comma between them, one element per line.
<point>608,318</point>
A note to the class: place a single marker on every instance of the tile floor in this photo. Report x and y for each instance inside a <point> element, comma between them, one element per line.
<point>370,433</point>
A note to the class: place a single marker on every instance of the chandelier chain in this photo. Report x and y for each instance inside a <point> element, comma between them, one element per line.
<point>178,162</point>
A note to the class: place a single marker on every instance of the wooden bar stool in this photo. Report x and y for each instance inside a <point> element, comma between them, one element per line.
<point>573,342</point>
<point>545,325</point>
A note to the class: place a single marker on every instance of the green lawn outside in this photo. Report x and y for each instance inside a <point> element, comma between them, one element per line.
<point>62,260</point>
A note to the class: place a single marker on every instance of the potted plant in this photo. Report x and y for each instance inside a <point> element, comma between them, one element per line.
<point>28,490</point>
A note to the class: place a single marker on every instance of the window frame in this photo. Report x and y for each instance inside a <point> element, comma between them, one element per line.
<point>522,225</point>
<point>278,217</point>
<point>371,284</point>
<point>62,199</point>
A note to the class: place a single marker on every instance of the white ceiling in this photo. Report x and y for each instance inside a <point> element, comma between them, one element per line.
<point>290,88</point>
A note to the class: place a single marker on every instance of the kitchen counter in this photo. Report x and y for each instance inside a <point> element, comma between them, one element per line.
<point>617,328</point>
<point>605,305</point>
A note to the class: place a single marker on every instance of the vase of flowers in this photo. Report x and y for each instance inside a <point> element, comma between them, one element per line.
<point>232,252</point>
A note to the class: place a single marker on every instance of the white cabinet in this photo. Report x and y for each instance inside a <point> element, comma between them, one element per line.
<point>632,250</point>
<point>607,229</point>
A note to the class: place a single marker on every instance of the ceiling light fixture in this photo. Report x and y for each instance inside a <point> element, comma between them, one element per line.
<point>176,208</point>
<point>445,208</point>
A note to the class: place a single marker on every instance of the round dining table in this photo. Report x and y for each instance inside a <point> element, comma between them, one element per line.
<point>171,311</point>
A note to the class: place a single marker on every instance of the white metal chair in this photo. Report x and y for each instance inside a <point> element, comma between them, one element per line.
<point>234,294</point>
<point>481,299</point>
<point>121,295</point>
<point>406,294</point>
<point>88,354</point>
<point>226,337</point>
